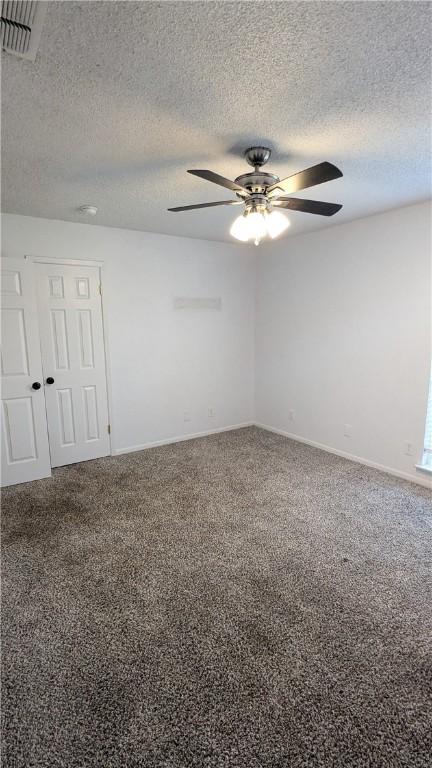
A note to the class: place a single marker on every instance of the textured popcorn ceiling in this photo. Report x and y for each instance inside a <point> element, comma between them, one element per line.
<point>125,96</point>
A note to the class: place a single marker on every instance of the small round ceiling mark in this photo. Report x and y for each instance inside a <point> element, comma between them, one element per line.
<point>88,210</point>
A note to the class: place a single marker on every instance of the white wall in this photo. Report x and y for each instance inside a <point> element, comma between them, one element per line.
<point>342,333</point>
<point>343,336</point>
<point>162,362</point>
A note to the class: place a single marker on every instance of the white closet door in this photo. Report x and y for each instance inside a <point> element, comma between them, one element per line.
<point>25,452</point>
<point>73,356</point>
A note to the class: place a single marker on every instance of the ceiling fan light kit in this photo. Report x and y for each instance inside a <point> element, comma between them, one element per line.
<point>257,224</point>
<point>261,192</point>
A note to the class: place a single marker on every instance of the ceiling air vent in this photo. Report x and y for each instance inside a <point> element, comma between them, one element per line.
<point>21,26</point>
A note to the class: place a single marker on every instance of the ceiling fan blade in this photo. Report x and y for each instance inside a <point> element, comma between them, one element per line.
<point>205,205</point>
<point>307,206</point>
<point>222,181</point>
<point>310,177</point>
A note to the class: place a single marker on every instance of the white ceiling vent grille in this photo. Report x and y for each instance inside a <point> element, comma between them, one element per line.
<point>21,26</point>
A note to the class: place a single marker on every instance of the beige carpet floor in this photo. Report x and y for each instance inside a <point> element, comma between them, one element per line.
<point>237,601</point>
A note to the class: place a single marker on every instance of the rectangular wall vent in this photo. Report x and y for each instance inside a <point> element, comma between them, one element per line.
<point>182,302</point>
<point>21,26</point>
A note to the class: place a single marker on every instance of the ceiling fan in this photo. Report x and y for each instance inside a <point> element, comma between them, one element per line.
<point>262,194</point>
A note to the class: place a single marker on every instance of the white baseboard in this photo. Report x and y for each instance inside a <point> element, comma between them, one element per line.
<point>179,439</point>
<point>424,481</point>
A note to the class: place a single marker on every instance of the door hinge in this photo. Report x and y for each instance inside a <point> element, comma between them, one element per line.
<point>100,288</point>
<point>109,429</point>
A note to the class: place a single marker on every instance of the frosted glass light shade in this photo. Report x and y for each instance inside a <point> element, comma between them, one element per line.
<point>239,228</point>
<point>257,224</point>
<point>276,223</point>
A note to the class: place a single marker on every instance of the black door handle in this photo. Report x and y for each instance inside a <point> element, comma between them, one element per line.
<point>36,385</point>
<point>50,380</point>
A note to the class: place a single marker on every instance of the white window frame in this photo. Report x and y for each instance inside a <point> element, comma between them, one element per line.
<point>426,462</point>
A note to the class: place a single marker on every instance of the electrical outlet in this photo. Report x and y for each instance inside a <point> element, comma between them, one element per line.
<point>186,416</point>
<point>291,416</point>
<point>347,430</point>
<point>408,449</point>
<point>211,413</point>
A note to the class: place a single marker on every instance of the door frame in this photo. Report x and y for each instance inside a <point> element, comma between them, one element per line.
<point>99,263</point>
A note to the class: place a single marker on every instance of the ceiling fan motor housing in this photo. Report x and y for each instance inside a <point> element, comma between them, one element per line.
<point>257,181</point>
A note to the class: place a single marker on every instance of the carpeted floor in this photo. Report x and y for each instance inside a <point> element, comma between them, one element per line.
<point>237,601</point>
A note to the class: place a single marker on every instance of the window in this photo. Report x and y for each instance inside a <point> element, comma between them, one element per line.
<point>427,455</point>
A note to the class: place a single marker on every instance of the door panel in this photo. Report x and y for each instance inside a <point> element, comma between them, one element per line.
<point>59,340</point>
<point>86,338</point>
<point>66,417</point>
<point>19,429</point>
<point>24,439</point>
<point>73,354</point>
<point>14,357</point>
<point>91,415</point>
<point>11,282</point>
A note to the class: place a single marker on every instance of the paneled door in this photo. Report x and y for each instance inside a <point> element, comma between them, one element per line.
<point>24,439</point>
<point>73,361</point>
